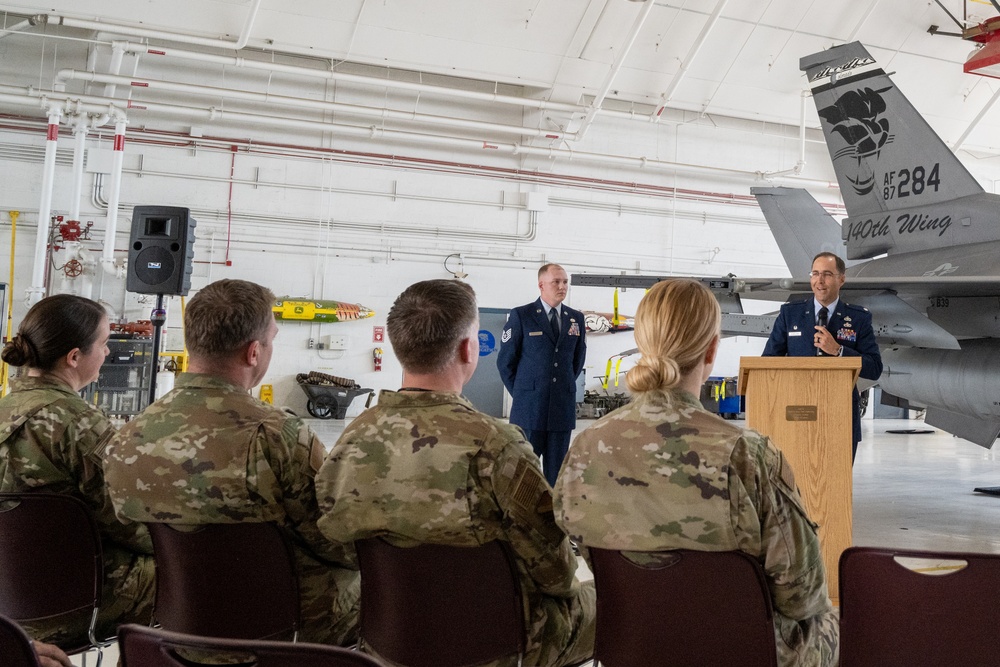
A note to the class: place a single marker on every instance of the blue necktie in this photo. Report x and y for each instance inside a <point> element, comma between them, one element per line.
<point>554,321</point>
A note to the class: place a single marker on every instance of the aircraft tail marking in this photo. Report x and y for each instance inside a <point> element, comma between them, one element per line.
<point>885,154</point>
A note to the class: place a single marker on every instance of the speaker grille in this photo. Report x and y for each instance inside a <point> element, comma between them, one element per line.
<point>154,265</point>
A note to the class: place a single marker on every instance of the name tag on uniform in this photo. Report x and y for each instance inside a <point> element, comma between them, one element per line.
<point>534,333</point>
<point>794,333</point>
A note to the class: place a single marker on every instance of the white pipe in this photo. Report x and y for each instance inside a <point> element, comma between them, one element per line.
<point>595,106</point>
<point>108,256</point>
<point>80,142</point>
<point>213,114</point>
<point>158,34</point>
<point>688,59</point>
<point>70,106</point>
<point>115,66</point>
<point>248,26</point>
<point>304,103</point>
<point>37,289</point>
<point>17,27</point>
<point>246,63</point>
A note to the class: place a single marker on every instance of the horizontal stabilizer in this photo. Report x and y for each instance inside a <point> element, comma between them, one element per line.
<point>800,225</point>
<point>982,432</point>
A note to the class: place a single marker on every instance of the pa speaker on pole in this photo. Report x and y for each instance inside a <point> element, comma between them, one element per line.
<point>160,250</point>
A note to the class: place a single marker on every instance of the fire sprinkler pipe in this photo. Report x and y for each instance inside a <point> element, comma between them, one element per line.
<point>330,75</point>
<point>79,144</point>
<point>110,229</point>
<point>115,66</point>
<point>211,114</point>
<point>37,289</point>
<point>303,103</point>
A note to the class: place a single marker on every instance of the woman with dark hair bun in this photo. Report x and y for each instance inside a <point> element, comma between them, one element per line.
<point>663,473</point>
<point>52,440</point>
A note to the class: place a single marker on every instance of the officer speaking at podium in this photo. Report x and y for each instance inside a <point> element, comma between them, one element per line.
<point>827,326</point>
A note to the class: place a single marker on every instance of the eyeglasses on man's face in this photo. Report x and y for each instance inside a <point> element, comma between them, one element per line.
<point>825,275</point>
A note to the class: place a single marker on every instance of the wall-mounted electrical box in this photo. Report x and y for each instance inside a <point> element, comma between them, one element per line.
<point>336,342</point>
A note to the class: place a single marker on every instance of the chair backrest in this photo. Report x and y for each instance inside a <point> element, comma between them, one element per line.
<point>892,615</point>
<point>234,580</point>
<point>440,606</point>
<point>51,561</point>
<point>704,608</point>
<point>15,645</point>
<point>153,647</point>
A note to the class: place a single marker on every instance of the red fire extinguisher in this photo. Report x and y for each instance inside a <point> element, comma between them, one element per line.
<point>377,358</point>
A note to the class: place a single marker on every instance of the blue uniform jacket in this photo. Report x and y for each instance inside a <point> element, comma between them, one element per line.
<point>851,326</point>
<point>540,372</point>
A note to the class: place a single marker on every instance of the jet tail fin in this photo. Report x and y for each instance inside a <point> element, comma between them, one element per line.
<point>885,154</point>
<point>800,225</point>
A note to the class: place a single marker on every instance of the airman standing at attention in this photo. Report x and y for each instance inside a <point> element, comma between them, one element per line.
<point>208,452</point>
<point>424,466</point>
<point>543,348</point>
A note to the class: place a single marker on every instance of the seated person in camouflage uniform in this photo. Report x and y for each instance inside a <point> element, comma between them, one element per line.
<point>52,440</point>
<point>663,473</point>
<point>399,467</point>
<point>208,452</point>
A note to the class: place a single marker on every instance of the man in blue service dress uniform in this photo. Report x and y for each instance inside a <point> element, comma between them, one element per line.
<point>827,326</point>
<point>542,353</point>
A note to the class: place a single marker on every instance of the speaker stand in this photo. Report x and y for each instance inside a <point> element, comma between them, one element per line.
<point>158,317</point>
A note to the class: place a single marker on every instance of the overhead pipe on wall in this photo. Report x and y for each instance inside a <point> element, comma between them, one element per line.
<point>272,67</point>
<point>331,75</point>
<point>211,114</point>
<point>304,103</point>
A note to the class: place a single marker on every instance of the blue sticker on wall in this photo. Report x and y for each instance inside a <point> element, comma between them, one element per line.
<point>487,343</point>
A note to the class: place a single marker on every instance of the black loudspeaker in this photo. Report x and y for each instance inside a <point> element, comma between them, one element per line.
<point>160,250</point>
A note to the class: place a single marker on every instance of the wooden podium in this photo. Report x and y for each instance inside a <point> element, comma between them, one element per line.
<point>804,405</point>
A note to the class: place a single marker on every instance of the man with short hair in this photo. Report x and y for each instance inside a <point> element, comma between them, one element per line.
<point>208,452</point>
<point>827,326</point>
<point>425,467</point>
<point>542,353</point>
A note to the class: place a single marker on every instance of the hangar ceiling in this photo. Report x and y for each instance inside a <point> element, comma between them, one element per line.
<point>696,59</point>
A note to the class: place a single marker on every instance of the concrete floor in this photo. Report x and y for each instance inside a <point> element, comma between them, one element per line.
<point>912,491</point>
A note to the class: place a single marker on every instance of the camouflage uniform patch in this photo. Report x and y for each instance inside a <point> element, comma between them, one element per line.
<point>698,482</point>
<point>479,481</point>
<point>52,440</point>
<point>208,452</point>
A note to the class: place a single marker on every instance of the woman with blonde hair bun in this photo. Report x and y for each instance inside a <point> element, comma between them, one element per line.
<point>663,473</point>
